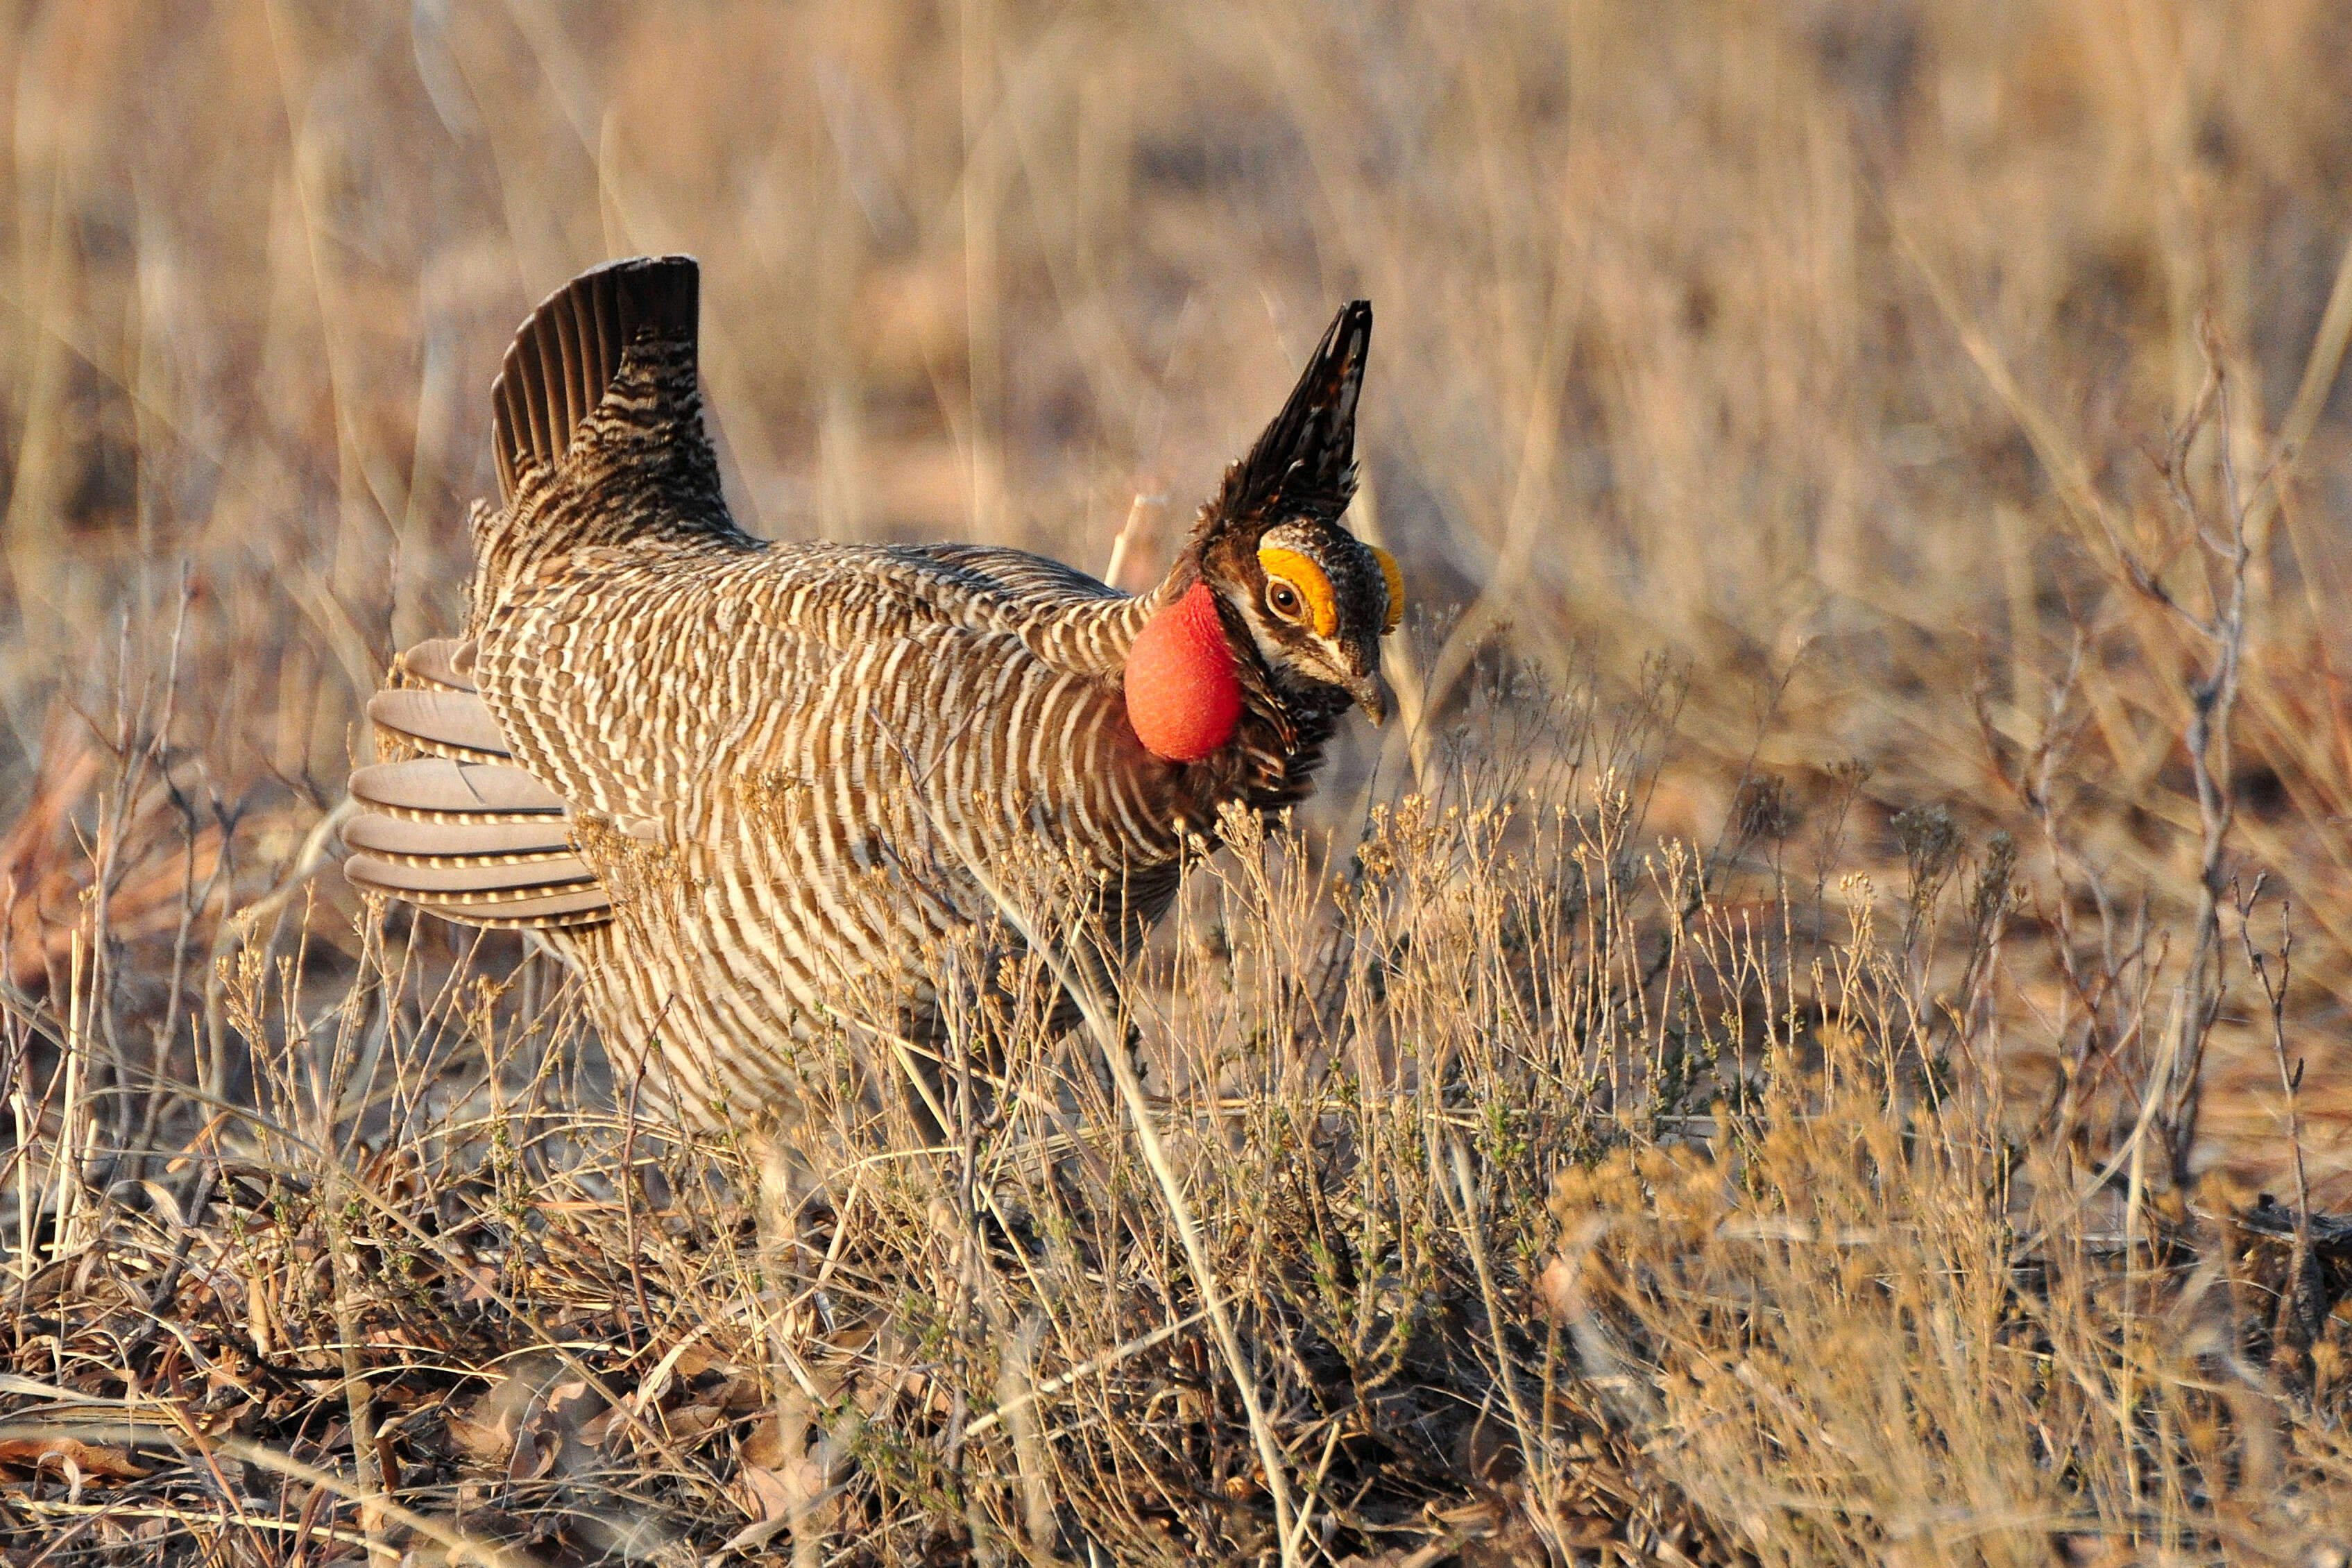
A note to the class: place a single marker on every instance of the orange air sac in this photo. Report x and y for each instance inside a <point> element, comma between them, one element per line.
<point>1182,695</point>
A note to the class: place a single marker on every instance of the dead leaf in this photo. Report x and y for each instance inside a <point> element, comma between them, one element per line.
<point>738,1393</point>
<point>488,1442</point>
<point>764,1493</point>
<point>535,1448</point>
<point>690,1422</point>
<point>553,1424</point>
<point>764,1445</point>
<point>697,1359</point>
<point>1560,1291</point>
<point>34,1455</point>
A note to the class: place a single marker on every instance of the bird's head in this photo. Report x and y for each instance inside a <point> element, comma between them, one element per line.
<point>1271,570</point>
<point>1315,600</point>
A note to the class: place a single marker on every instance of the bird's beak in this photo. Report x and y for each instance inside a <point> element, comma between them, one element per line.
<point>1372,695</point>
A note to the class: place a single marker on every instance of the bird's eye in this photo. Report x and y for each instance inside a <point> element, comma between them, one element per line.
<point>1284,599</point>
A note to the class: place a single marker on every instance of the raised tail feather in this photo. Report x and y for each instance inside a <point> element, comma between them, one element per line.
<point>567,353</point>
<point>596,424</point>
<point>448,823</point>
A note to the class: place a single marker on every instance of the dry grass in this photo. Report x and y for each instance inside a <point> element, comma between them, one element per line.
<point>1776,1061</point>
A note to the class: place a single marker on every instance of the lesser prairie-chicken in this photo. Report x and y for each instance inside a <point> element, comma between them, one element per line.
<point>730,780</point>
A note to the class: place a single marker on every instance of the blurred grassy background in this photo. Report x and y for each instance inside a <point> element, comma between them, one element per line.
<point>1805,342</point>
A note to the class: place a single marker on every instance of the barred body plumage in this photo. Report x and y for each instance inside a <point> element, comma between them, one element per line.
<point>735,784</point>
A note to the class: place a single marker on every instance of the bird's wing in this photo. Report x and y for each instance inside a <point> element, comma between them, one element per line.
<point>1016,574</point>
<point>635,681</point>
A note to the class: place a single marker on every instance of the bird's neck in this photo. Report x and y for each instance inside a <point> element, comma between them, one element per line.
<point>1184,682</point>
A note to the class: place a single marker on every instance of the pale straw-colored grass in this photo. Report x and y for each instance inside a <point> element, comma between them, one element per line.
<point>1768,1062</point>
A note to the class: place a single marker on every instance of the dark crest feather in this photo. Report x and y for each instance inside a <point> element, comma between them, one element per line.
<point>1304,463</point>
<point>567,352</point>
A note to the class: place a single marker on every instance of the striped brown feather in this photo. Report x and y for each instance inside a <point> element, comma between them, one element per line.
<point>431,789</point>
<point>460,831</point>
<point>402,837</point>
<point>568,351</point>
<point>487,882</point>
<point>440,722</point>
<point>443,663</point>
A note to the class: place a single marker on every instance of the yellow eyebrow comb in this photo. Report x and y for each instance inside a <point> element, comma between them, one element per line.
<point>1396,587</point>
<point>1307,578</point>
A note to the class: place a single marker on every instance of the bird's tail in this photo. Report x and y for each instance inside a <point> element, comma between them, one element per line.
<point>596,424</point>
<point>449,821</point>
